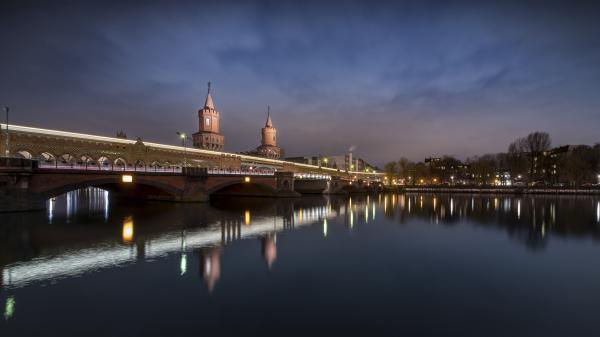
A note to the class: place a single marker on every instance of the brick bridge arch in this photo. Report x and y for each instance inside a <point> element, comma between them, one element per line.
<point>53,184</point>
<point>267,184</point>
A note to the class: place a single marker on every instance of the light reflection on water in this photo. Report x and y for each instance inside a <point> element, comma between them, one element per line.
<point>85,232</point>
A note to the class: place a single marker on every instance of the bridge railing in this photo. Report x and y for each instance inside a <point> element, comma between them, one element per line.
<point>312,176</point>
<point>242,172</point>
<point>107,168</point>
<point>81,167</point>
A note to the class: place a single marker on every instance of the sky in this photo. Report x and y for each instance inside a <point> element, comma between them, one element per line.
<point>391,79</point>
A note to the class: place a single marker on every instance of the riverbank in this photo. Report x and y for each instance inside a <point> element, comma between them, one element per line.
<point>495,190</point>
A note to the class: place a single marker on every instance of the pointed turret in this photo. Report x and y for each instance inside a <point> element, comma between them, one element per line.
<point>269,123</point>
<point>208,103</point>
<point>268,147</point>
<point>208,135</point>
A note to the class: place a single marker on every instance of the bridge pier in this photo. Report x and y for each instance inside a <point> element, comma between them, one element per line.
<point>336,186</point>
<point>15,195</point>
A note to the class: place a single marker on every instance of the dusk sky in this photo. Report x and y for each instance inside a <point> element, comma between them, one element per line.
<point>390,78</point>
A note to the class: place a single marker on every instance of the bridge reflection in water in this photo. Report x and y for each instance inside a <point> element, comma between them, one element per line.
<point>209,237</point>
<point>389,253</point>
<point>54,249</point>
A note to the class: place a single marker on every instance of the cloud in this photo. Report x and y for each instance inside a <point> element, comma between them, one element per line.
<point>397,79</point>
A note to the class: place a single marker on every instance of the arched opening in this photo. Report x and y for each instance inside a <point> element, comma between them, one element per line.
<point>167,166</point>
<point>139,189</point>
<point>154,166</point>
<point>103,163</point>
<point>86,161</point>
<point>67,160</point>
<point>24,154</point>
<point>47,159</point>
<point>139,165</point>
<point>120,164</point>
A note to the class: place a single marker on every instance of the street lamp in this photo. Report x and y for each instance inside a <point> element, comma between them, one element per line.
<point>7,150</point>
<point>183,143</point>
<point>325,161</point>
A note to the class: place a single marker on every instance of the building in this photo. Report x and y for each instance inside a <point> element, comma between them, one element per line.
<point>208,135</point>
<point>341,162</point>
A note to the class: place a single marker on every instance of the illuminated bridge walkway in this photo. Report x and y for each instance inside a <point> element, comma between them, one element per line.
<point>51,163</point>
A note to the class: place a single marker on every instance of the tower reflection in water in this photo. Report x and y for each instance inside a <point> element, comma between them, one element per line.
<point>151,232</point>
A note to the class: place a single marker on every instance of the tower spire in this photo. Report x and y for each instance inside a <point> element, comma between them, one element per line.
<point>269,123</point>
<point>208,103</point>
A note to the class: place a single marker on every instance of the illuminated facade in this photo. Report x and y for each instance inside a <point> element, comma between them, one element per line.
<point>208,135</point>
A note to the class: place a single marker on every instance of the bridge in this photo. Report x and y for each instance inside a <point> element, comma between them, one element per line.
<point>50,163</point>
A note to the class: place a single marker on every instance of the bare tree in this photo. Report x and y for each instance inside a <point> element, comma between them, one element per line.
<point>536,143</point>
<point>403,167</point>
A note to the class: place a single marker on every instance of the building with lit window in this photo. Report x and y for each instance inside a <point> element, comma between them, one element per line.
<point>208,135</point>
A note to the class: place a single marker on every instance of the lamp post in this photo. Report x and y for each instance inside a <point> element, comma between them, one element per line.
<point>7,150</point>
<point>183,138</point>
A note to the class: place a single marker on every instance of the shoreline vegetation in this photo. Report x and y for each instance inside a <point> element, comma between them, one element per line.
<point>530,162</point>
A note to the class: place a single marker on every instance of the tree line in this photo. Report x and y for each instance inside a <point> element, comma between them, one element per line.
<point>528,160</point>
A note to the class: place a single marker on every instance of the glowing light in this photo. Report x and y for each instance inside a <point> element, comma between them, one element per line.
<point>373,210</point>
<point>127,178</point>
<point>248,220</point>
<point>519,209</point>
<point>246,179</point>
<point>366,213</point>
<point>9,308</point>
<point>385,202</point>
<point>598,212</point>
<point>127,232</point>
<point>324,227</point>
<point>351,218</point>
<point>183,264</point>
<point>51,209</point>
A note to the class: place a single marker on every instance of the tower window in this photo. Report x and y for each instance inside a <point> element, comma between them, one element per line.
<point>207,121</point>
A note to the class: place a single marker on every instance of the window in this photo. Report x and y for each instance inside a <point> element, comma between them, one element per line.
<point>207,121</point>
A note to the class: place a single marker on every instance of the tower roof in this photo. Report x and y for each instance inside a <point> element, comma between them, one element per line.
<point>269,123</point>
<point>208,103</point>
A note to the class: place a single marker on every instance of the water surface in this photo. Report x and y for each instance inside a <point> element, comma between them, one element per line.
<point>414,264</point>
